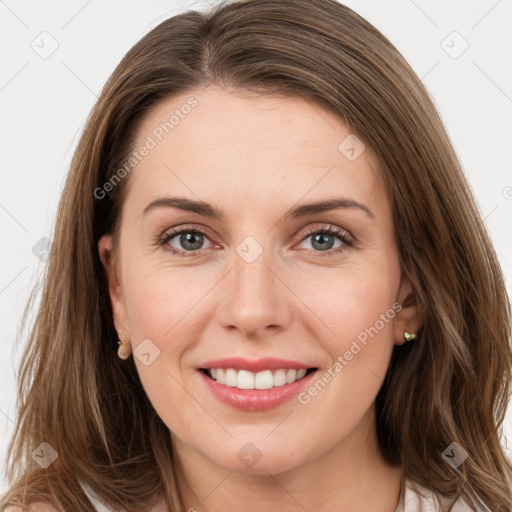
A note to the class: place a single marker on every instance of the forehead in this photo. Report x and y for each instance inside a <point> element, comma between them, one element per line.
<point>219,141</point>
<point>220,116</point>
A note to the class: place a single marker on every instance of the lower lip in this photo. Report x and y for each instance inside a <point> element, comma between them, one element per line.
<point>253,400</point>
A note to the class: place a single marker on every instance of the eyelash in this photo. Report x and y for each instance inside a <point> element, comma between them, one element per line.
<point>341,234</point>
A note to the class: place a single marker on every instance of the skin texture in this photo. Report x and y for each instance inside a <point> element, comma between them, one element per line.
<point>256,158</point>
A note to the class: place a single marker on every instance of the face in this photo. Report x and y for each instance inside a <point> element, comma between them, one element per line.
<point>253,275</point>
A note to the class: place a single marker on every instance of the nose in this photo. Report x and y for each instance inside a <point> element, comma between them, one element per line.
<point>257,299</point>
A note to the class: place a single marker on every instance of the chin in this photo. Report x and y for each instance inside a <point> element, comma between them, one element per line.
<point>257,459</point>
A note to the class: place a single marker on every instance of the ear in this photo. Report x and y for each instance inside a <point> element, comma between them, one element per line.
<point>105,248</point>
<point>410,317</point>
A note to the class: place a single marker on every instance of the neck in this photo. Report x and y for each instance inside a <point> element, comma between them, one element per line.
<point>349,477</point>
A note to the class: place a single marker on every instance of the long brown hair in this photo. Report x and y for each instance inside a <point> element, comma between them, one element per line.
<point>451,385</point>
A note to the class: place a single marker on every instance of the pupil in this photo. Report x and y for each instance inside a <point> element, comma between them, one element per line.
<point>188,239</point>
<point>321,239</point>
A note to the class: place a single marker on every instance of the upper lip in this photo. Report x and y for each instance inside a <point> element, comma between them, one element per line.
<point>255,365</point>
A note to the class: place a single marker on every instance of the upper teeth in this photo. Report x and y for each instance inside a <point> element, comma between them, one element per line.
<point>243,379</point>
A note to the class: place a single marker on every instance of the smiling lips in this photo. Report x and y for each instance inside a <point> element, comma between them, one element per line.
<point>255,385</point>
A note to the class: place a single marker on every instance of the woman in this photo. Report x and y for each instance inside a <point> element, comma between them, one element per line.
<point>257,367</point>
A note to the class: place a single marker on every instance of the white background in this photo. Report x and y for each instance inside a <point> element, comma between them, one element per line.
<point>44,104</point>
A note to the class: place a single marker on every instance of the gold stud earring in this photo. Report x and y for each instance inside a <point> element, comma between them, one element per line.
<point>409,336</point>
<point>124,349</point>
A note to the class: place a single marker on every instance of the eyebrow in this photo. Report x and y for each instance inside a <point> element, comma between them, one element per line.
<point>210,211</point>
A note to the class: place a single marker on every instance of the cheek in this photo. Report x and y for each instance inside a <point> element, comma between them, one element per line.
<point>354,303</point>
<point>359,314</point>
<point>164,312</point>
<point>163,301</point>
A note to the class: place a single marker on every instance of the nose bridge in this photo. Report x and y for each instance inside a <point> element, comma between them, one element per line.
<point>251,268</point>
<point>255,295</point>
<point>254,284</point>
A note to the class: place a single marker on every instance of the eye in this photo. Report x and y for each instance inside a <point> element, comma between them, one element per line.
<point>187,241</point>
<point>191,240</point>
<point>323,238</point>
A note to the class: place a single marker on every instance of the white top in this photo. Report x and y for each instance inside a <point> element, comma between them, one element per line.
<point>410,501</point>
<point>413,501</point>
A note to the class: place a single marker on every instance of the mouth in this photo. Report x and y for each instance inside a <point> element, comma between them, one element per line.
<point>256,391</point>
<point>265,379</point>
<point>255,384</point>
